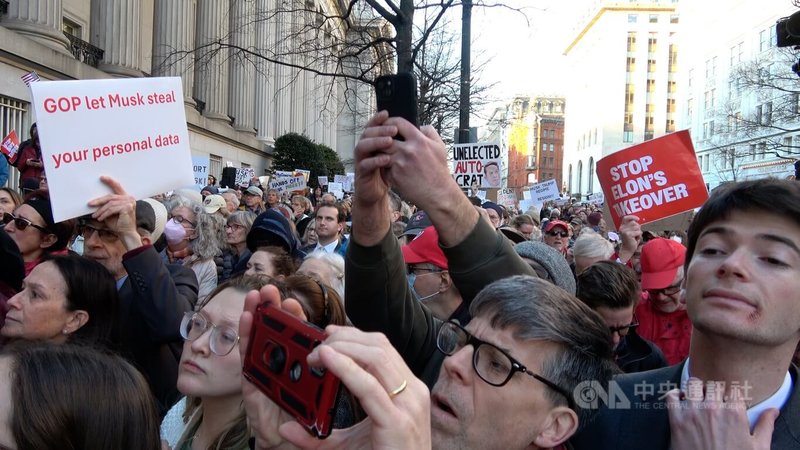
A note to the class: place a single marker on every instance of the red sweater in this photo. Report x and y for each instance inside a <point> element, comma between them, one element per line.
<point>671,332</point>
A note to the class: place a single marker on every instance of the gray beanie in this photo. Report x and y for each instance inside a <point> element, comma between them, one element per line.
<point>551,260</point>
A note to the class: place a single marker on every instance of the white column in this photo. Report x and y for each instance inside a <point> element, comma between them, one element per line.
<point>283,77</point>
<point>40,20</point>
<point>242,71</point>
<point>265,73</point>
<point>210,66</point>
<point>173,39</point>
<point>115,27</point>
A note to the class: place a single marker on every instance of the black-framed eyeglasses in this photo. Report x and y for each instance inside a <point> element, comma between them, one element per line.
<point>414,269</point>
<point>222,339</point>
<point>493,365</point>
<point>669,290</point>
<point>234,226</point>
<point>21,223</point>
<point>623,330</point>
<point>181,219</point>
<point>563,234</point>
<point>87,231</point>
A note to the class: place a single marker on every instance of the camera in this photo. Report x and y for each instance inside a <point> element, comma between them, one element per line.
<point>276,363</point>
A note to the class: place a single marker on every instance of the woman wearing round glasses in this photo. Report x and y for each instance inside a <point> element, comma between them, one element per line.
<point>33,229</point>
<point>210,373</point>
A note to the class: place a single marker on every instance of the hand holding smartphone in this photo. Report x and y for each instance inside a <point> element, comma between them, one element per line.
<point>397,94</point>
<point>276,363</point>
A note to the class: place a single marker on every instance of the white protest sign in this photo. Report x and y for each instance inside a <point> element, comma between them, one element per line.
<point>131,129</point>
<point>506,197</point>
<point>351,182</point>
<point>200,168</point>
<point>306,173</point>
<point>525,205</point>
<point>283,174</point>
<point>544,192</point>
<point>288,184</point>
<point>336,189</point>
<point>477,163</point>
<point>526,194</point>
<point>596,198</point>
<point>323,181</point>
<point>342,179</point>
<point>482,195</point>
<point>244,175</point>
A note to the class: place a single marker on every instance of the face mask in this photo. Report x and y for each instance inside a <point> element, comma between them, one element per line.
<point>412,278</point>
<point>174,232</point>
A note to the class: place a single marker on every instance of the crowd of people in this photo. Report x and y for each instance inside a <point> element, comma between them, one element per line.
<point>452,322</point>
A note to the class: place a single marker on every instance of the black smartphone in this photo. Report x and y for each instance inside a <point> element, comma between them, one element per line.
<point>398,95</point>
<point>276,364</point>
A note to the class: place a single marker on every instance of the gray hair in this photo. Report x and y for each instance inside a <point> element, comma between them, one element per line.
<point>210,227</point>
<point>243,218</point>
<point>336,263</point>
<point>592,245</point>
<point>535,310</point>
<point>233,198</point>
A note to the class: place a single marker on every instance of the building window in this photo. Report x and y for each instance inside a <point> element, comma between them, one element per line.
<point>552,147</point>
<point>591,174</point>
<point>758,114</point>
<point>632,18</point>
<point>215,166</point>
<point>767,39</point>
<point>670,126</point>
<point>673,18</point>
<point>630,65</point>
<point>673,58</point>
<point>672,87</point>
<point>71,28</point>
<point>768,113</point>
<point>651,85</point>
<point>653,18</point>
<point>762,150</point>
<point>652,43</point>
<point>631,41</point>
<point>651,65</point>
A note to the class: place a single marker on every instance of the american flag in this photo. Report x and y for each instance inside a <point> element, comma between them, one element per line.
<point>30,77</point>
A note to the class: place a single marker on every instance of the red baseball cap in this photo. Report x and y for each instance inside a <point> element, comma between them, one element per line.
<point>555,223</point>
<point>425,249</point>
<point>661,259</point>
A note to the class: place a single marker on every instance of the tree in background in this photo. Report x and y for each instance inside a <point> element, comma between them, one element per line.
<point>295,151</point>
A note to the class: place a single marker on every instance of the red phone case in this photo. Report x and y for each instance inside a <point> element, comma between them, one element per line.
<point>276,364</point>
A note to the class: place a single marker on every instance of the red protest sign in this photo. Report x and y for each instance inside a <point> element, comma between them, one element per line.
<point>653,180</point>
<point>10,146</point>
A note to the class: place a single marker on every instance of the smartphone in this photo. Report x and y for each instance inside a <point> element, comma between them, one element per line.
<point>276,364</point>
<point>398,95</point>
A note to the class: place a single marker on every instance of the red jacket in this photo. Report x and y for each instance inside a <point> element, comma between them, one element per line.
<point>671,332</point>
<point>28,152</point>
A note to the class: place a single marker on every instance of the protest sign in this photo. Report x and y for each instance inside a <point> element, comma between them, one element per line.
<point>526,194</point>
<point>481,195</point>
<point>283,174</point>
<point>351,182</point>
<point>544,192</point>
<point>323,181</point>
<point>305,173</point>
<point>477,163</point>
<point>507,198</point>
<point>336,189</point>
<point>288,184</point>
<point>525,205</point>
<point>596,198</point>
<point>244,175</point>
<point>653,180</point>
<point>131,129</point>
<point>10,146</point>
<point>200,168</point>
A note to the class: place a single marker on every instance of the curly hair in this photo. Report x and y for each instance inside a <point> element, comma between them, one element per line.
<point>210,228</point>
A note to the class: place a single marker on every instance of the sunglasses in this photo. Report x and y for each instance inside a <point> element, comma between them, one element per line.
<point>21,223</point>
<point>563,234</point>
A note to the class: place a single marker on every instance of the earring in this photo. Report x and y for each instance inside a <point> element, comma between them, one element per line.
<point>64,331</point>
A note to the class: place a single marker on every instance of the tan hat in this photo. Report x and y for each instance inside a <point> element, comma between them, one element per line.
<point>213,203</point>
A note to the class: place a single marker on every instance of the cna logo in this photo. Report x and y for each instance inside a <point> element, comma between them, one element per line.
<point>591,394</point>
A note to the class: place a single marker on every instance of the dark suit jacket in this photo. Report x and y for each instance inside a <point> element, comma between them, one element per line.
<point>153,301</point>
<point>645,424</point>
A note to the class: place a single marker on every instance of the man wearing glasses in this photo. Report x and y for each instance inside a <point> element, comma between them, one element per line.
<point>556,235</point>
<point>153,296</point>
<point>611,290</point>
<point>661,313</point>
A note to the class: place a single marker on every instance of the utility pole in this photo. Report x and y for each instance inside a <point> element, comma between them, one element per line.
<point>466,37</point>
